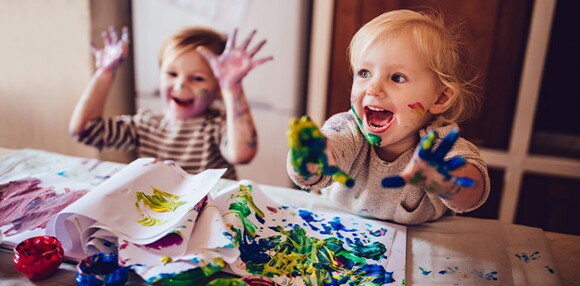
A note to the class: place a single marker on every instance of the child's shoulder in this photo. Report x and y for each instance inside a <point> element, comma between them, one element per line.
<point>339,121</point>
<point>149,113</point>
<point>217,115</point>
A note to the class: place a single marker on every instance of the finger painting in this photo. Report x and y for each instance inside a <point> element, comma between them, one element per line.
<point>295,246</point>
<point>147,213</point>
<point>29,203</point>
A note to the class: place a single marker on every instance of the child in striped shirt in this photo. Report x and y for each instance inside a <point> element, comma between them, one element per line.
<point>190,131</point>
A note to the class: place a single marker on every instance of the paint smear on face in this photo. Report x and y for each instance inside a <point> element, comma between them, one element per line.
<point>373,139</point>
<point>418,108</point>
<point>159,202</point>
<point>26,206</point>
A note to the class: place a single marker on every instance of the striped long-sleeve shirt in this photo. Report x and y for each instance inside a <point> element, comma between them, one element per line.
<point>194,143</point>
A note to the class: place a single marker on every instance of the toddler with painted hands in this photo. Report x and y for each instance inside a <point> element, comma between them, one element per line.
<point>399,141</point>
<point>192,131</point>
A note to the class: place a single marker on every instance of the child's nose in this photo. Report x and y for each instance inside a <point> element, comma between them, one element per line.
<point>178,84</point>
<point>375,89</point>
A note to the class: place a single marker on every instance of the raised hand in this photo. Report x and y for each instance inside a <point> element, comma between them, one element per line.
<point>110,57</point>
<point>307,156</point>
<point>428,169</point>
<point>235,62</point>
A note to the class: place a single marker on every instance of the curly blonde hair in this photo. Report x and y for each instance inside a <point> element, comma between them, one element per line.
<point>440,46</point>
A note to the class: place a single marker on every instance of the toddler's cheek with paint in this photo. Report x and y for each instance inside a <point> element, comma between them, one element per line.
<point>417,109</point>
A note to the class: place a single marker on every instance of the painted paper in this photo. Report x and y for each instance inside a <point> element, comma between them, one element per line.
<point>295,246</point>
<point>29,202</point>
<point>146,213</point>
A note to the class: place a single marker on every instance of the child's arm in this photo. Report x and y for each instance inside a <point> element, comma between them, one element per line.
<point>456,181</point>
<point>310,157</point>
<point>240,144</point>
<point>107,61</point>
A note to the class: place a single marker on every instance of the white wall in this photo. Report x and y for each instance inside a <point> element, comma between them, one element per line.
<point>274,89</point>
<point>45,63</point>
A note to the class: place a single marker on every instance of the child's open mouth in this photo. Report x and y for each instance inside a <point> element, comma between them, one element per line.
<point>377,119</point>
<point>183,102</point>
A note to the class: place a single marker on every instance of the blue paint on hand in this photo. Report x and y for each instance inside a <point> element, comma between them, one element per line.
<point>393,182</point>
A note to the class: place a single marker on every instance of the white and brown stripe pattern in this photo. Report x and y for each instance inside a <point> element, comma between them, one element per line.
<point>194,144</point>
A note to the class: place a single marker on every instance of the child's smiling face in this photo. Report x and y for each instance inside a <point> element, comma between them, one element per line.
<point>392,92</point>
<point>188,85</point>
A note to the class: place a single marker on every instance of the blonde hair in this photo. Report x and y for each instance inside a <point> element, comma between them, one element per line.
<point>439,45</point>
<point>188,39</point>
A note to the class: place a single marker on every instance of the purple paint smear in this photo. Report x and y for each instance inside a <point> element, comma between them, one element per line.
<point>169,240</point>
<point>27,206</point>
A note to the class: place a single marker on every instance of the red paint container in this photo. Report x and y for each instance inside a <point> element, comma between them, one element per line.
<point>38,257</point>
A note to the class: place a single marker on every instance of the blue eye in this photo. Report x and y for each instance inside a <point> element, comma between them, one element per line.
<point>398,78</point>
<point>197,78</point>
<point>364,73</point>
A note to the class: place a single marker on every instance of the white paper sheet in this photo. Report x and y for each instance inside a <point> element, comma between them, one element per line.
<point>142,202</point>
<point>147,212</point>
<point>292,245</point>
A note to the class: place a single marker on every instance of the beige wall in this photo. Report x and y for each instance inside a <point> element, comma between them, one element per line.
<point>45,63</point>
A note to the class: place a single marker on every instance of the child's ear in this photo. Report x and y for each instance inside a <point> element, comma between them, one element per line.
<point>444,101</point>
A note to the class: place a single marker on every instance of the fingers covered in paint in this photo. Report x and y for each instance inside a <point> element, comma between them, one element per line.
<point>236,61</point>
<point>430,171</point>
<point>115,49</point>
<point>307,152</point>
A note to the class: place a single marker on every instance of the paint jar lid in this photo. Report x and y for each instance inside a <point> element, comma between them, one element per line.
<point>101,269</point>
<point>38,257</point>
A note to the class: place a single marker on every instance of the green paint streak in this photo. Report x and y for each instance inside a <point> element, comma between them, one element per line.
<point>211,268</point>
<point>373,139</point>
<point>242,209</point>
<point>307,257</point>
<point>417,178</point>
<point>227,282</point>
<point>148,220</point>
<point>374,251</point>
<point>245,193</point>
<point>159,202</point>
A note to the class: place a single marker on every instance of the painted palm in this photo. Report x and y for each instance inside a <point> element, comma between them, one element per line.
<point>307,152</point>
<point>429,170</point>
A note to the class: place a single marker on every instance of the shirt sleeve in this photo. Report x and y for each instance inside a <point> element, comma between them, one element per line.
<point>118,132</point>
